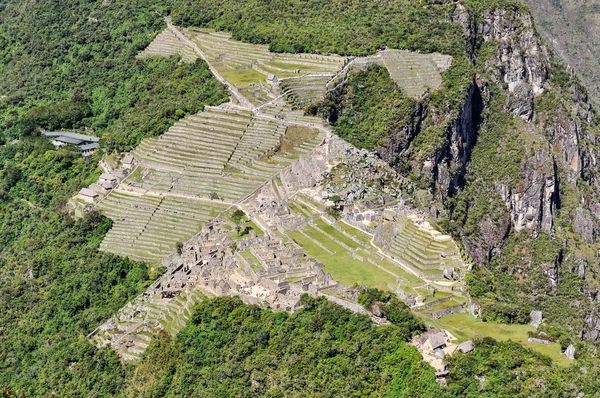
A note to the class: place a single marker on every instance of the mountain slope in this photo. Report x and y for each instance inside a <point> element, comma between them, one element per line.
<point>571,28</point>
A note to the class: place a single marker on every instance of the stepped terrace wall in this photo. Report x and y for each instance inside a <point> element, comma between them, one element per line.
<point>415,73</point>
<point>167,44</point>
<point>202,165</point>
<point>147,228</point>
<point>256,72</point>
<point>425,251</point>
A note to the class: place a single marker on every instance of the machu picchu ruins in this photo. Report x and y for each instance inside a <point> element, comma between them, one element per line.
<point>319,215</point>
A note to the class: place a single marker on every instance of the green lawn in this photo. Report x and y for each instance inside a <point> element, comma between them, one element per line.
<point>336,234</point>
<point>342,266</point>
<point>289,66</point>
<point>250,257</point>
<point>243,78</point>
<point>355,232</point>
<point>464,327</point>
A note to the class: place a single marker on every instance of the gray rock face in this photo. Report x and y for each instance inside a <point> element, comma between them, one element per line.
<point>580,265</point>
<point>584,225</point>
<point>536,318</point>
<point>570,352</point>
<point>520,101</point>
<point>522,58</point>
<point>534,201</point>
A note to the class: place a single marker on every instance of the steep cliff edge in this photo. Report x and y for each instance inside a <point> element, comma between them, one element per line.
<point>571,29</point>
<point>510,168</point>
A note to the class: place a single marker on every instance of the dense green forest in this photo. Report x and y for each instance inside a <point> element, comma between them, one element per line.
<point>72,66</point>
<point>232,349</point>
<point>55,286</point>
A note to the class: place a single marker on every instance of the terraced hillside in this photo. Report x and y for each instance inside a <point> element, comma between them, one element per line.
<point>427,252</point>
<point>256,72</point>
<point>208,162</point>
<point>146,227</point>
<point>224,153</point>
<point>166,44</point>
<point>132,329</point>
<point>202,165</point>
<point>415,73</point>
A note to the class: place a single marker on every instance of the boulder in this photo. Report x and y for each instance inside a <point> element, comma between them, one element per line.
<point>449,273</point>
<point>570,352</point>
<point>467,346</point>
<point>536,318</point>
<point>439,353</point>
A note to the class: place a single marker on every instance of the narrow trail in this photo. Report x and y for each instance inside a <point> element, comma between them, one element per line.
<point>234,91</point>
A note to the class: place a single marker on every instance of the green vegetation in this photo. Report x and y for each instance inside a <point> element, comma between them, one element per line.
<point>72,65</point>
<point>346,28</point>
<point>390,307</point>
<point>55,78</point>
<point>232,349</point>
<point>243,225</point>
<point>341,264</point>
<point>244,77</point>
<point>370,109</point>
<point>55,286</point>
<point>500,362</point>
<point>464,327</point>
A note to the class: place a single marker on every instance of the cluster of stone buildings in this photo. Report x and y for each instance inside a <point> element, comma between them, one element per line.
<point>260,269</point>
<point>435,345</point>
<point>107,181</point>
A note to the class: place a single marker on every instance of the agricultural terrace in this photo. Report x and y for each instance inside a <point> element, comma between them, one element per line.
<point>425,251</point>
<point>146,228</point>
<point>167,44</point>
<point>132,329</point>
<point>256,72</point>
<point>201,166</point>
<point>415,73</point>
<point>348,254</point>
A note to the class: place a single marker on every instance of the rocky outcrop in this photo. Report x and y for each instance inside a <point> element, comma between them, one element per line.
<point>535,198</point>
<point>523,63</point>
<point>450,163</point>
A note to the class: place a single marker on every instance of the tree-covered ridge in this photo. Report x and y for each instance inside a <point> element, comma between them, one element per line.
<point>369,109</point>
<point>55,287</point>
<point>345,27</point>
<point>74,66</point>
<point>230,349</point>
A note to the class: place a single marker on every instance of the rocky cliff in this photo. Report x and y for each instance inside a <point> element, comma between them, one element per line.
<point>571,28</point>
<point>511,170</point>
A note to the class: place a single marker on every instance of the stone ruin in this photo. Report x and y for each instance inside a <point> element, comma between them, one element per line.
<point>276,276</point>
<point>434,346</point>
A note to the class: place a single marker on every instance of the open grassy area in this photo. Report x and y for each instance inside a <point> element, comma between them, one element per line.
<point>296,136</point>
<point>250,257</point>
<point>336,234</point>
<point>243,78</point>
<point>464,327</point>
<point>285,65</point>
<point>355,232</point>
<point>342,265</point>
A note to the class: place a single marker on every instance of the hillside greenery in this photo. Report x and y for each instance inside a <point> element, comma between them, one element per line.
<point>345,27</point>
<point>369,109</point>
<point>73,66</point>
<point>55,286</point>
<point>232,349</point>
